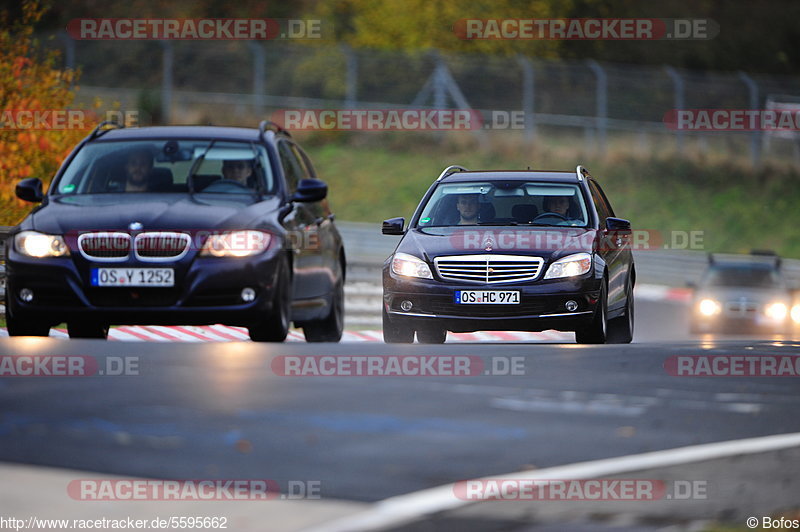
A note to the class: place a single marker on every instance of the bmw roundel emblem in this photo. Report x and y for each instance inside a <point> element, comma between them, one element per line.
<point>135,226</point>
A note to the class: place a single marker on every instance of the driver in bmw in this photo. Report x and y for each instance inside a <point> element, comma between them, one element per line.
<point>239,170</point>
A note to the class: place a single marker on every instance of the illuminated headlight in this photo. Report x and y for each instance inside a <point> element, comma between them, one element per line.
<point>709,307</point>
<point>236,244</point>
<point>40,245</point>
<point>570,266</point>
<point>796,314</point>
<point>410,266</point>
<point>776,311</point>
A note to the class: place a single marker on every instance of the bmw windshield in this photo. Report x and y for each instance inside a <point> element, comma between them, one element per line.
<point>169,166</point>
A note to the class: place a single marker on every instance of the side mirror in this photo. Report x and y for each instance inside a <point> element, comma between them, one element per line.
<point>617,224</point>
<point>309,190</point>
<point>393,226</point>
<point>691,285</point>
<point>30,190</point>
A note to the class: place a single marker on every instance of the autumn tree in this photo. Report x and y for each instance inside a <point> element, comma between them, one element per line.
<point>29,81</point>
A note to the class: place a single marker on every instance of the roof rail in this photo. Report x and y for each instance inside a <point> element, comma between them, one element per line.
<point>581,172</point>
<point>271,126</point>
<point>99,130</point>
<point>451,170</point>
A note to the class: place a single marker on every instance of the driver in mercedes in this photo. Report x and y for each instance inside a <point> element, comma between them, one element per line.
<point>558,205</point>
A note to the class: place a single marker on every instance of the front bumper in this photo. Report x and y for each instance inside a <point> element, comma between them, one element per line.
<point>541,307</point>
<point>206,291</point>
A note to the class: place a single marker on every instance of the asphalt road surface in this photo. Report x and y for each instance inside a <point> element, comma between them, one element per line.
<point>218,410</point>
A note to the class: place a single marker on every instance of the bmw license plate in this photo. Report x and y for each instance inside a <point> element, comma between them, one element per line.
<point>487,297</point>
<point>133,277</point>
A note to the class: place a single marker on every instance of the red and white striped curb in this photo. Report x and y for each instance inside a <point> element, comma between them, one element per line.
<point>655,292</point>
<point>224,333</point>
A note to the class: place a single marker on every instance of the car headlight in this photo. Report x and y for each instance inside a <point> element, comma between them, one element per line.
<point>40,245</point>
<point>796,314</point>
<point>410,266</point>
<point>709,307</point>
<point>776,311</point>
<point>236,244</point>
<point>570,266</point>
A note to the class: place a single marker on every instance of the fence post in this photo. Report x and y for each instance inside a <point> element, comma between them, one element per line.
<point>69,49</point>
<point>259,74</point>
<point>351,80</point>
<point>528,91</point>
<point>166,81</point>
<point>680,103</point>
<point>755,140</point>
<point>601,113</point>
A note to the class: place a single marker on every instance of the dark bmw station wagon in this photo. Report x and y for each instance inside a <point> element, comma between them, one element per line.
<point>179,225</point>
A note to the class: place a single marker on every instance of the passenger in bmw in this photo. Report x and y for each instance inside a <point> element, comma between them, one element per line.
<point>240,171</point>
<point>467,209</point>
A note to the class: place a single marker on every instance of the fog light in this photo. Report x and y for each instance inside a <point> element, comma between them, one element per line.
<point>248,294</point>
<point>406,305</point>
<point>26,294</point>
<point>571,305</point>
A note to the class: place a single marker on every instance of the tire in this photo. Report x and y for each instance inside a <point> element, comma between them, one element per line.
<point>597,331</point>
<point>396,333</point>
<point>329,329</point>
<point>16,327</point>
<point>620,330</point>
<point>431,335</point>
<point>274,326</point>
<point>82,329</point>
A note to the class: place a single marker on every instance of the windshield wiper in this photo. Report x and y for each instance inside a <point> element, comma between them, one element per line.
<point>497,223</point>
<point>195,166</point>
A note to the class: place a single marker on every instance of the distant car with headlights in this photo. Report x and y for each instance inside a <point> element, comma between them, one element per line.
<point>741,294</point>
<point>178,226</point>
<point>510,250</point>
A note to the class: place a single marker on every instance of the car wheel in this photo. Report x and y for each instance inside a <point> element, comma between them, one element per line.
<point>274,326</point>
<point>432,335</point>
<point>82,329</point>
<point>620,330</point>
<point>597,331</point>
<point>395,332</point>
<point>17,327</point>
<point>329,329</point>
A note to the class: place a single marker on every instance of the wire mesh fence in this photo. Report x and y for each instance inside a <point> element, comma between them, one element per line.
<point>243,81</point>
